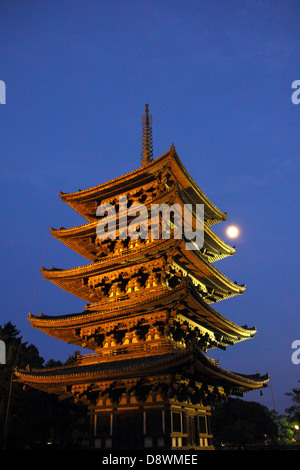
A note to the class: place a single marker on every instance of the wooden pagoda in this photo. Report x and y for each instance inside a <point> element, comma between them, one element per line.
<point>149,318</point>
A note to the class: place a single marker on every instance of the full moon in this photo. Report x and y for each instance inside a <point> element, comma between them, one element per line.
<point>232,231</point>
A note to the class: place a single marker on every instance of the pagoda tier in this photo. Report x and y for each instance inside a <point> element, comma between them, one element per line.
<point>161,401</point>
<point>83,239</point>
<point>87,375</point>
<point>167,167</point>
<point>174,318</point>
<point>112,278</point>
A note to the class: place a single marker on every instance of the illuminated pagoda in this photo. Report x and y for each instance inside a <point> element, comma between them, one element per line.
<point>149,317</point>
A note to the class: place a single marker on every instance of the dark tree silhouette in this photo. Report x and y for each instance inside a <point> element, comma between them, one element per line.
<point>30,418</point>
<point>294,410</point>
<point>240,423</point>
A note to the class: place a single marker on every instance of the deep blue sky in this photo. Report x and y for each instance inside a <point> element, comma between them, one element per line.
<point>217,76</point>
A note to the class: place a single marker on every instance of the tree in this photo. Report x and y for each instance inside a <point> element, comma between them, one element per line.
<point>293,415</point>
<point>240,423</point>
<point>21,425</point>
<point>294,411</point>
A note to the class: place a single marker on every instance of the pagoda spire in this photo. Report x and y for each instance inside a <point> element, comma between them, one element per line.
<point>147,144</point>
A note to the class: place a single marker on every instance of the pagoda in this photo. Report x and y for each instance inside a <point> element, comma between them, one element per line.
<point>149,317</point>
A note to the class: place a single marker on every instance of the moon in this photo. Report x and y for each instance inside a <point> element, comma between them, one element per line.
<point>232,231</point>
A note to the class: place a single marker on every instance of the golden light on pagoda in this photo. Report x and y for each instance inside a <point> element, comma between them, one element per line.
<point>148,317</point>
<point>232,231</point>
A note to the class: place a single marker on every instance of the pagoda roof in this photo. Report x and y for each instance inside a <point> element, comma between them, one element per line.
<point>55,380</point>
<point>83,201</point>
<point>72,280</point>
<point>76,239</point>
<point>185,297</point>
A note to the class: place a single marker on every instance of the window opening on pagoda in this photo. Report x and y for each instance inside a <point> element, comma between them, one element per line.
<point>176,421</point>
<point>202,424</point>
<point>153,422</point>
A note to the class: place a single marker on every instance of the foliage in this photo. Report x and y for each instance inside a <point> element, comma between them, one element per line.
<point>294,411</point>
<point>293,415</point>
<point>240,423</point>
<point>286,430</point>
<point>61,423</point>
<point>236,423</point>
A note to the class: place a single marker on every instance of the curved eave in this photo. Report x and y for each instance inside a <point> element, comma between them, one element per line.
<point>55,380</point>
<point>191,187</point>
<point>82,201</point>
<point>213,320</point>
<point>195,263</point>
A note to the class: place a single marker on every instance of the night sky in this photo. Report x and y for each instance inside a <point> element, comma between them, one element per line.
<point>217,76</point>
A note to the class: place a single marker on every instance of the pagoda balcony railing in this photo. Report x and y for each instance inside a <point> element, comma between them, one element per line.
<point>136,350</point>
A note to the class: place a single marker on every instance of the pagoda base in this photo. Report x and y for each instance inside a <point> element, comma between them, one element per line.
<point>156,423</point>
<point>153,402</point>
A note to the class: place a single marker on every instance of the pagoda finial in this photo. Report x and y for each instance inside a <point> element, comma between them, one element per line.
<point>173,151</point>
<point>147,144</point>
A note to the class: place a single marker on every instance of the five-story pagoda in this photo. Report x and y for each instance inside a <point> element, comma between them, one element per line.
<point>149,316</point>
